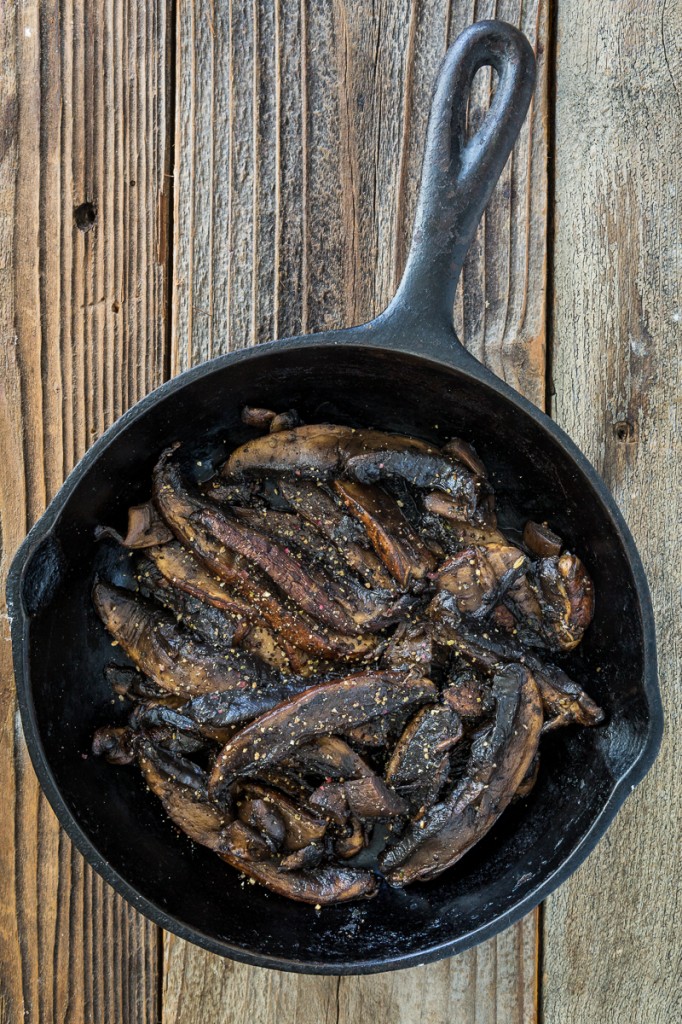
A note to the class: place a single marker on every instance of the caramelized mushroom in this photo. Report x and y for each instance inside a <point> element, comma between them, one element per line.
<point>496,768</point>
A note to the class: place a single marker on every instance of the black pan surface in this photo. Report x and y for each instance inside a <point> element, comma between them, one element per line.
<point>405,372</point>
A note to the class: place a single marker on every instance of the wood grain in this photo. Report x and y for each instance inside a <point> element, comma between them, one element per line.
<point>299,137</point>
<point>82,121</point>
<point>612,933</point>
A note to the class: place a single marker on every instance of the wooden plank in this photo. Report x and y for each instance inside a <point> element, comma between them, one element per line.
<point>82,121</point>
<point>612,944</point>
<point>315,116</point>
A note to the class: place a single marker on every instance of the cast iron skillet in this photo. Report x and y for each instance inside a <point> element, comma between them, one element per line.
<point>406,372</point>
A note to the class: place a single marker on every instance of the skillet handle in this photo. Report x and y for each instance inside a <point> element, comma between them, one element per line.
<point>459,174</point>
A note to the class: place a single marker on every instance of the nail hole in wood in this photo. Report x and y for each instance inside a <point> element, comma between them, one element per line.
<point>625,431</point>
<point>85,216</point>
<point>115,306</point>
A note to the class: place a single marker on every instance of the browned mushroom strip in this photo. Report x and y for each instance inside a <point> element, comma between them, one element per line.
<point>313,557</point>
<point>174,659</point>
<point>316,451</point>
<point>114,744</point>
<point>265,818</point>
<point>280,566</point>
<point>466,454</point>
<point>320,886</point>
<point>329,756</point>
<point>301,827</point>
<point>479,577</point>
<point>329,800</point>
<point>234,707</point>
<point>540,540</point>
<point>397,544</point>
<point>496,768</point>
<point>370,797</point>
<point>425,471</point>
<point>420,749</point>
<point>566,596</point>
<point>565,702</point>
<point>318,508</point>
<point>320,709</point>
<point>145,528</point>
<point>173,729</point>
<point>181,569</point>
<point>222,628</point>
<point>351,841</point>
<point>312,451</point>
<point>184,805</point>
<point>260,419</point>
<point>178,506</point>
<point>302,860</point>
<point>468,696</point>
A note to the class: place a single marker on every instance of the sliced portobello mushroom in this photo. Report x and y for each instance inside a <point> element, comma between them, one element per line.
<point>397,544</point>
<point>319,886</point>
<point>318,710</point>
<point>497,766</point>
<point>172,657</point>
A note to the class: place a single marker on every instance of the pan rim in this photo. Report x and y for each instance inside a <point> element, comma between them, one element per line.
<point>442,354</point>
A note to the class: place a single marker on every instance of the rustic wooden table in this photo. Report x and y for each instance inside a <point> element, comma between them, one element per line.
<point>178,180</point>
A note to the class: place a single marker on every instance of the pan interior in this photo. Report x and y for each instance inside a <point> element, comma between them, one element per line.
<point>68,648</point>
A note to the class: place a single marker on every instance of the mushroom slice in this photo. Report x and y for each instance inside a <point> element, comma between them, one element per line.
<point>352,840</point>
<point>219,627</point>
<point>541,541</point>
<point>329,706</point>
<point>565,702</point>
<point>330,757</point>
<point>465,453</point>
<point>312,451</point>
<point>284,570</point>
<point>301,827</point>
<point>469,696</point>
<point>128,682</point>
<point>566,595</point>
<point>184,804</point>
<point>183,571</point>
<point>173,658</point>
<point>313,503</point>
<point>173,730</point>
<point>320,886</point>
<point>117,745</point>
<point>499,761</point>
<point>370,797</point>
<point>302,860</point>
<point>263,816</point>
<point>178,506</point>
<point>145,528</point>
<point>397,544</point>
<point>427,470</point>
<point>235,706</point>
<point>411,648</point>
<point>430,733</point>
<point>259,419</point>
<point>285,421</point>
<point>479,576</point>
<point>329,801</point>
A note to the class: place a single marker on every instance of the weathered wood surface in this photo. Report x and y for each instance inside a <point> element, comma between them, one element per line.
<point>299,138</point>
<point>612,933</point>
<point>82,120</point>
